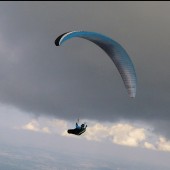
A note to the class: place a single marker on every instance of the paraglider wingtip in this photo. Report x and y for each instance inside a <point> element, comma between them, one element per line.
<point>57,42</point>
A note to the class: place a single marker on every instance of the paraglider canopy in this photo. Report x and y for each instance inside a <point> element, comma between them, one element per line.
<point>114,50</point>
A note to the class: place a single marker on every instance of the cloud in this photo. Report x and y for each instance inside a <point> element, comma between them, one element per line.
<point>128,135</point>
<point>149,145</point>
<point>55,126</point>
<point>163,144</point>
<point>96,132</point>
<point>125,134</point>
<point>122,134</point>
<point>35,126</point>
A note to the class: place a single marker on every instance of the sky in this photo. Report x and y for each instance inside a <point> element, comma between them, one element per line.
<point>44,89</point>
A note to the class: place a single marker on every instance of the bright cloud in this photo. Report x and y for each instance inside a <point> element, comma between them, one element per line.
<point>51,126</point>
<point>122,134</point>
<point>149,145</point>
<point>119,133</point>
<point>163,144</point>
<point>129,135</point>
<point>125,134</point>
<point>97,132</point>
<point>35,126</point>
